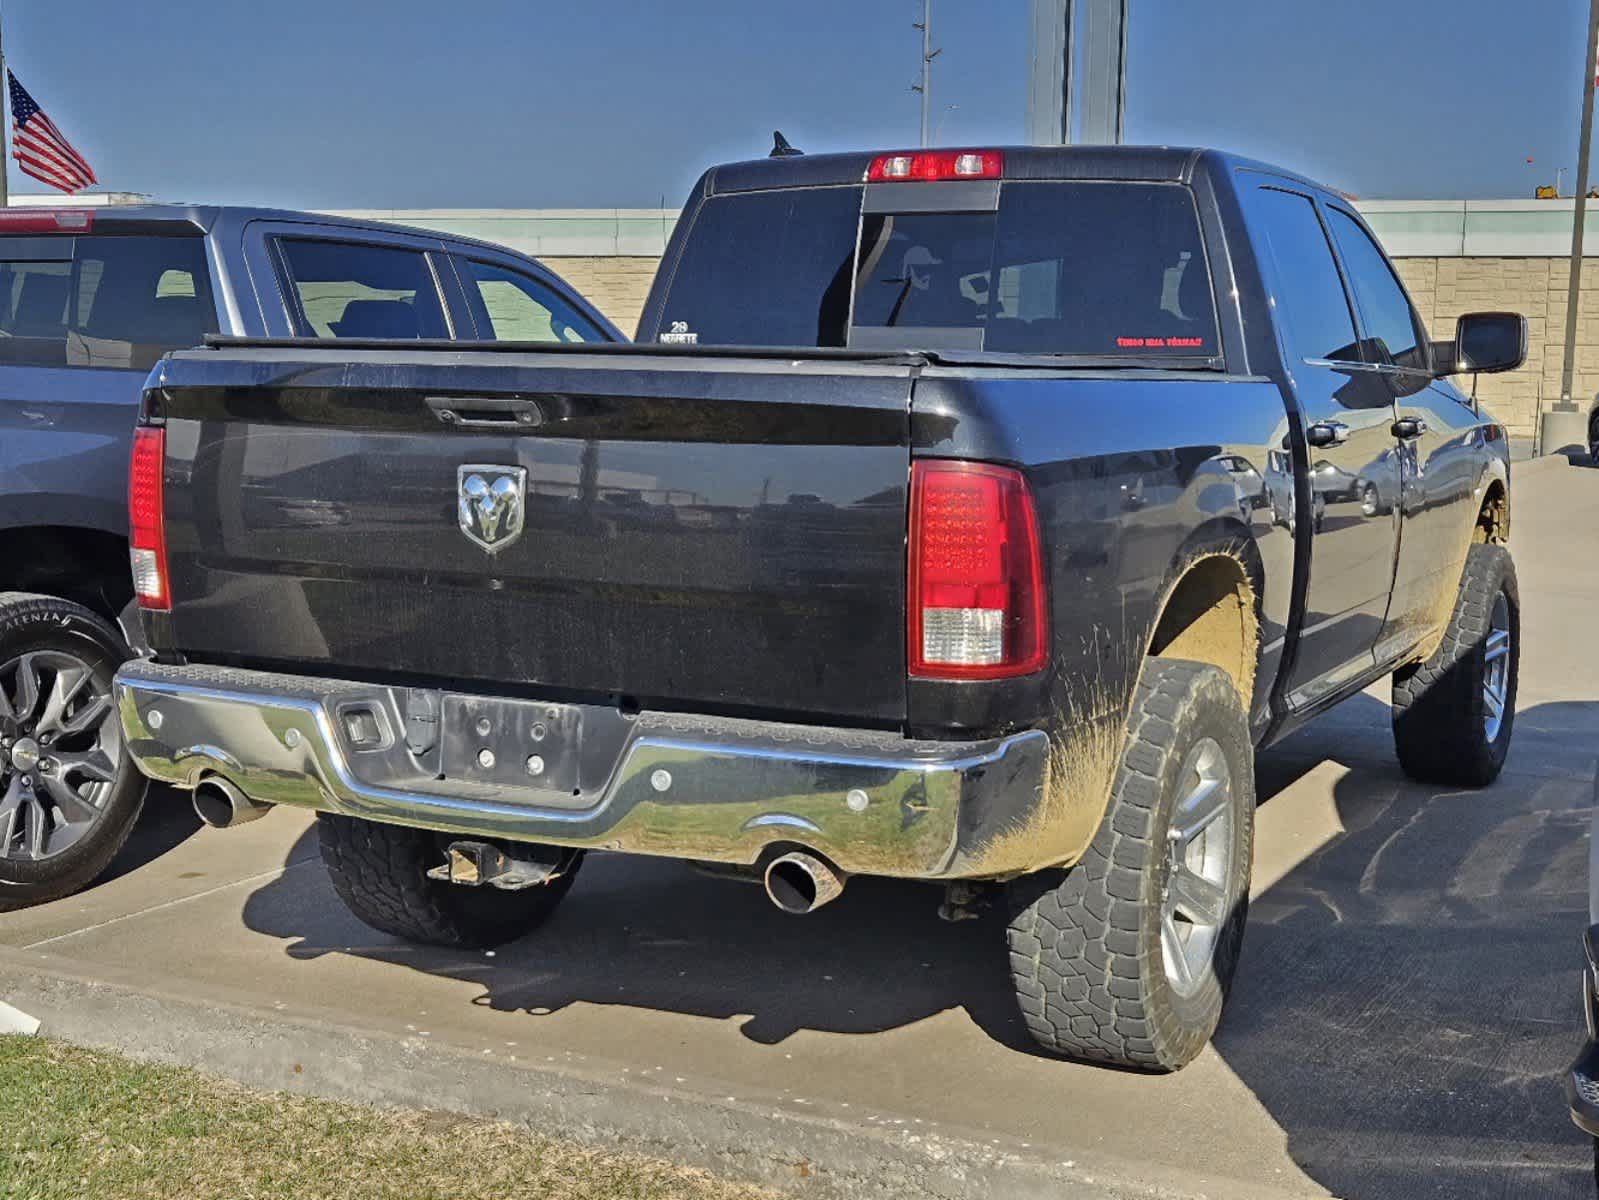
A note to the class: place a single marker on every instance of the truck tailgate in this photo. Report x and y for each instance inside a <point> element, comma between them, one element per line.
<point>718,532</point>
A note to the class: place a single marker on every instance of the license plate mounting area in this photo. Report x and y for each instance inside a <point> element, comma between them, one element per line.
<point>512,743</point>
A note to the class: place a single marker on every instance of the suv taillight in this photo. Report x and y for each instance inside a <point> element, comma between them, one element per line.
<point>975,589</point>
<point>146,528</point>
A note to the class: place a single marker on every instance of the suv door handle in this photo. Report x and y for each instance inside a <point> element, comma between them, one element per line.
<point>1407,429</point>
<point>1327,433</point>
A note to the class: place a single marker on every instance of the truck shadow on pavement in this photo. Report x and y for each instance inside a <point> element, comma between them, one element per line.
<point>1407,1002</point>
<point>167,821</point>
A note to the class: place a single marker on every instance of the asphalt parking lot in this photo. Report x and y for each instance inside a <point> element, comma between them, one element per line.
<point>1407,1002</point>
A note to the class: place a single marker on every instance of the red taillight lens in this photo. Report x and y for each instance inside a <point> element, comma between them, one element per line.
<point>146,527</point>
<point>975,590</point>
<point>933,165</point>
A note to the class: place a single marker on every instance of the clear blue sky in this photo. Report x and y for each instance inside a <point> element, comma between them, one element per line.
<point>489,103</point>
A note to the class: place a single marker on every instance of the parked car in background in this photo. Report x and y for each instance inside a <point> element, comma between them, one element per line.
<point>90,299</point>
<point>943,534</point>
<point>1582,1078</point>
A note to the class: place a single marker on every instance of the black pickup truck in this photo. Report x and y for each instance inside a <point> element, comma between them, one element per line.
<point>963,516</point>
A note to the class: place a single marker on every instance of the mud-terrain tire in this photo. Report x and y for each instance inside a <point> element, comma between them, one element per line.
<point>1091,948</point>
<point>380,872</point>
<point>58,631</point>
<point>1443,709</point>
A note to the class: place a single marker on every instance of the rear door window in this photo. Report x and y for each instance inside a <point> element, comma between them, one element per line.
<point>1391,324</point>
<point>512,307</point>
<point>1313,307</point>
<point>356,290</point>
<point>120,302</point>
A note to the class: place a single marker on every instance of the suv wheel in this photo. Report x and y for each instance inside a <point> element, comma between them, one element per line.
<point>69,796</point>
<point>1453,714</point>
<point>1127,957</point>
<point>380,872</point>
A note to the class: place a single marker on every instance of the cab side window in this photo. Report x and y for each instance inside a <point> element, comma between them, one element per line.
<point>1313,308</point>
<point>354,290</point>
<point>1392,329</point>
<point>519,308</point>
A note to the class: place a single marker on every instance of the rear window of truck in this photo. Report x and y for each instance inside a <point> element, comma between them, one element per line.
<point>118,302</point>
<point>1076,268</point>
<point>766,269</point>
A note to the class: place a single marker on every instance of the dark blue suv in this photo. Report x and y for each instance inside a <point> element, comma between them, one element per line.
<point>90,299</point>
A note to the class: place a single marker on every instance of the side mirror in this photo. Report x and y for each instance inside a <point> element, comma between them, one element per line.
<point>1485,343</point>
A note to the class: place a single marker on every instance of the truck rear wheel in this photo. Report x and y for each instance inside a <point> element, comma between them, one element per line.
<point>69,795</point>
<point>1453,713</point>
<point>380,872</point>
<point>1127,957</point>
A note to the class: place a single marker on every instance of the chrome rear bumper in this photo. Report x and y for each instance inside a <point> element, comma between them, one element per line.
<point>701,788</point>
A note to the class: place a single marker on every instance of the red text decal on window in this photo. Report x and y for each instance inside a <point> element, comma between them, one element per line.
<point>1155,343</point>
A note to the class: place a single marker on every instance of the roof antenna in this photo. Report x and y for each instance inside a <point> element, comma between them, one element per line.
<point>781,148</point>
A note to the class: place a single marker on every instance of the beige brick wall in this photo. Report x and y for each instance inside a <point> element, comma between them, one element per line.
<point>616,286</point>
<point>1442,288</point>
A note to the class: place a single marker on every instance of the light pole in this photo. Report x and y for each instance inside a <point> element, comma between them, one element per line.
<point>1565,424</point>
<point>925,87</point>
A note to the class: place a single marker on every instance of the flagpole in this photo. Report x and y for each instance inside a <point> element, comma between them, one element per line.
<point>5,150</point>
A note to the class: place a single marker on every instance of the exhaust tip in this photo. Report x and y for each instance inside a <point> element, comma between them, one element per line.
<point>221,805</point>
<point>801,883</point>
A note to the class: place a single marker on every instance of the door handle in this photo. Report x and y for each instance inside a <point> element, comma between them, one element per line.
<point>485,412</point>
<point>1408,429</point>
<point>1327,433</point>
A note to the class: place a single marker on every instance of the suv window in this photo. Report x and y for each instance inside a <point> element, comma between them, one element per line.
<point>1313,306</point>
<point>1390,321</point>
<point>120,302</point>
<point>355,290</point>
<point>519,308</point>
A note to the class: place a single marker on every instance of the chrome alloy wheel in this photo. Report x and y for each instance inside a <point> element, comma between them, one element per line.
<point>1200,860</point>
<point>1496,668</point>
<point>60,743</point>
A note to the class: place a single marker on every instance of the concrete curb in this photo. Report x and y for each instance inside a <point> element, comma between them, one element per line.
<point>763,1140</point>
<point>1544,462</point>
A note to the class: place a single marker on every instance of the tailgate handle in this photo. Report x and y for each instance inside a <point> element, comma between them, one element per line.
<point>486,412</point>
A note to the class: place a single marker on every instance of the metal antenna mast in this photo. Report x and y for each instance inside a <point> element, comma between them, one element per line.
<point>925,87</point>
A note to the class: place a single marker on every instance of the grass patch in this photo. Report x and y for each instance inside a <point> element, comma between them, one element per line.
<point>77,1123</point>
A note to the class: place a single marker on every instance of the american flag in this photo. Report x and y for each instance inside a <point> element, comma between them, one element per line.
<point>39,147</point>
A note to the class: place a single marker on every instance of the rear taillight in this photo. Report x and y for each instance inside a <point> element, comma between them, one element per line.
<point>975,590</point>
<point>146,528</point>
